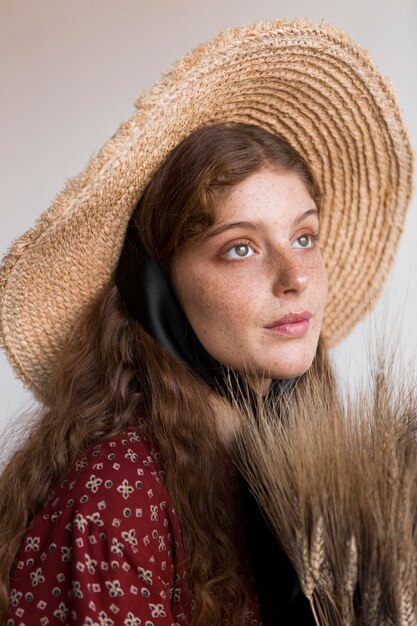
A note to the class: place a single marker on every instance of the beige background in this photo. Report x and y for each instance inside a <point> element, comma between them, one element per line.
<point>71,69</point>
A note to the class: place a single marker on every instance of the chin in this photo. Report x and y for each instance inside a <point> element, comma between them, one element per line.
<point>262,371</point>
<point>291,366</point>
<point>293,373</point>
<point>290,362</point>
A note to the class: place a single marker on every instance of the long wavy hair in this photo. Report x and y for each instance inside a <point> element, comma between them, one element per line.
<point>112,373</point>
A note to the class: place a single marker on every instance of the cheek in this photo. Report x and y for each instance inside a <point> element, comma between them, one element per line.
<point>209,298</point>
<point>215,304</point>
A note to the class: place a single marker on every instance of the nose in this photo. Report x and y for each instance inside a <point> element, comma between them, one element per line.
<point>290,274</point>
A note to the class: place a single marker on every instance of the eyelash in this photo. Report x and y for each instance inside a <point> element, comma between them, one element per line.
<point>245,242</point>
<point>241,242</point>
<point>313,236</point>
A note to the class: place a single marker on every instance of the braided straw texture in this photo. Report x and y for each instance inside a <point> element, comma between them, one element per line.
<point>308,82</point>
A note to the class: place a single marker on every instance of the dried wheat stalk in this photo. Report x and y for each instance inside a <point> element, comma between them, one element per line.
<point>338,483</point>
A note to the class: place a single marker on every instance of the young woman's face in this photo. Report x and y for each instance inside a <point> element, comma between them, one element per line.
<point>259,263</point>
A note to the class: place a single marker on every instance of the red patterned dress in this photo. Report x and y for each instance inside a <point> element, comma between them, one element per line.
<point>106,549</point>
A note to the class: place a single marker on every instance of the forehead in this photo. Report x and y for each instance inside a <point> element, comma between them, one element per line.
<point>266,194</point>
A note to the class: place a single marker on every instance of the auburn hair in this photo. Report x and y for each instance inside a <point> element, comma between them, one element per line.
<point>112,373</point>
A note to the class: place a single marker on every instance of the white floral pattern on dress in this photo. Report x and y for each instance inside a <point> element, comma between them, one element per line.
<point>106,548</point>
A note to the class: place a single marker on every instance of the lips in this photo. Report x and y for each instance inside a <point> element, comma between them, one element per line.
<point>291,318</point>
<point>293,325</point>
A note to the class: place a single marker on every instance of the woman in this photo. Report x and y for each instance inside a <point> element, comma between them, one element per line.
<point>124,506</point>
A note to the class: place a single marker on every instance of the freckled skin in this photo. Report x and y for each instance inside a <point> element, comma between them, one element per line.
<point>230,298</point>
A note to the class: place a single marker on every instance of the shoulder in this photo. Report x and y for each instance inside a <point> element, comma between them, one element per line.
<point>128,453</point>
<point>119,482</point>
<point>108,533</point>
<point>112,503</point>
<point>116,468</point>
<point>113,494</point>
<point>114,484</point>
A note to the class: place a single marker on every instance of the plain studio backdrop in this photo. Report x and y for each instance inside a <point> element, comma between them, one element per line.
<point>71,70</point>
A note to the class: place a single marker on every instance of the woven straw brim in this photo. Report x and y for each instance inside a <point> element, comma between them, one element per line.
<point>305,81</point>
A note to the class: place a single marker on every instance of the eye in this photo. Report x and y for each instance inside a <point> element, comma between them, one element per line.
<point>306,241</point>
<point>239,251</point>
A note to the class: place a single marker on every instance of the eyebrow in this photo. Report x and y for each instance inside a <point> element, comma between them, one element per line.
<point>257,224</point>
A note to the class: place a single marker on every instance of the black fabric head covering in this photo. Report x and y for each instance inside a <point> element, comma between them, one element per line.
<point>149,298</point>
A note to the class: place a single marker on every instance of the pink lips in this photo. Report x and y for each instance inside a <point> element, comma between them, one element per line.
<point>292,325</point>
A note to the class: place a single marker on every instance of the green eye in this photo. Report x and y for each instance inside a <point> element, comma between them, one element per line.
<point>242,250</point>
<point>305,241</point>
<point>239,251</point>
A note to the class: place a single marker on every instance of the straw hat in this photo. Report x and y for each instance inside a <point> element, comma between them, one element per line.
<point>307,82</point>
